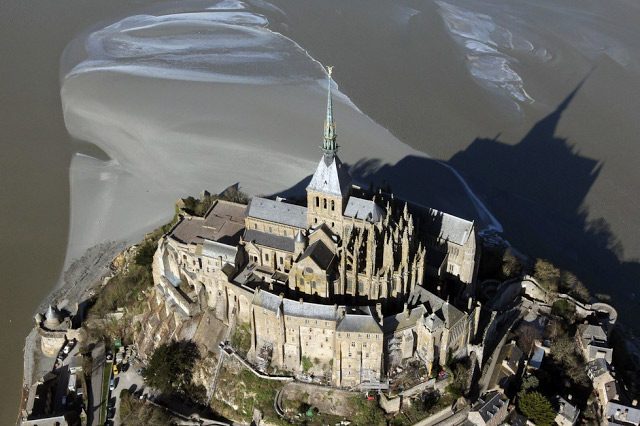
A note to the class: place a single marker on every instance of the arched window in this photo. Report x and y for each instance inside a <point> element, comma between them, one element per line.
<point>324,203</point>
<point>333,205</point>
<point>317,201</point>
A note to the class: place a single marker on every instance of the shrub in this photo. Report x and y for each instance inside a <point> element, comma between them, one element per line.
<point>537,408</point>
<point>306,364</point>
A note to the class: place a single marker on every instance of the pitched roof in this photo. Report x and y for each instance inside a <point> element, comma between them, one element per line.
<point>567,410</point>
<point>622,414</point>
<point>331,177</point>
<point>447,227</point>
<point>319,253</point>
<point>294,308</point>
<point>269,240</point>
<point>278,212</point>
<point>403,320</point>
<point>489,405</point>
<point>445,310</point>
<point>309,310</point>
<point>359,320</point>
<point>360,208</point>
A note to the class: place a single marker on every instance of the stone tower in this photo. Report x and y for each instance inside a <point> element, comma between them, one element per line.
<point>329,188</point>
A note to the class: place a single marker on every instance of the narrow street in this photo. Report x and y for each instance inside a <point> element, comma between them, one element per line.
<point>95,395</point>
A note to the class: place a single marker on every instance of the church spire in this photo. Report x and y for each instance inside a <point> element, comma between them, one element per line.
<point>329,146</point>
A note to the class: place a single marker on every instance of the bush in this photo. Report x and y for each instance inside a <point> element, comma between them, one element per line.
<point>537,408</point>
<point>547,275</point>
<point>564,309</point>
<point>306,364</point>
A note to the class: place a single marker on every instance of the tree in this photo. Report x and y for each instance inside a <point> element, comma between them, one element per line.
<point>537,408</point>
<point>511,265</point>
<point>564,309</point>
<point>530,383</point>
<point>170,368</point>
<point>574,287</point>
<point>547,275</point>
<point>527,335</point>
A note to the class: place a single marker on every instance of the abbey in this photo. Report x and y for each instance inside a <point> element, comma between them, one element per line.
<point>336,288</point>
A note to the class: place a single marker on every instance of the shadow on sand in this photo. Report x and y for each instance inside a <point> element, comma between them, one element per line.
<point>536,189</point>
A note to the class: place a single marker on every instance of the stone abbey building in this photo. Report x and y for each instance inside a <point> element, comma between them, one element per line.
<point>336,287</point>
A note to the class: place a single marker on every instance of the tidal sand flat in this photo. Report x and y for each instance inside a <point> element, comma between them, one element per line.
<point>203,100</point>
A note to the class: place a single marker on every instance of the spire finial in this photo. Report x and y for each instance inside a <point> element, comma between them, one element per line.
<point>329,146</point>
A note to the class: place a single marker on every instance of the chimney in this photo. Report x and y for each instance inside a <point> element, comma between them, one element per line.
<point>469,303</point>
<point>301,301</point>
<point>634,403</point>
<point>569,397</point>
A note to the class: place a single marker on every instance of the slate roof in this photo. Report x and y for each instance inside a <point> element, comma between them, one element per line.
<point>622,414</point>
<point>403,320</point>
<point>269,240</point>
<point>360,208</point>
<point>331,177</point>
<point>359,321</point>
<point>597,367</point>
<point>567,410</point>
<point>445,310</point>
<point>309,310</point>
<point>489,405</point>
<point>294,308</point>
<point>319,253</point>
<point>278,212</point>
<point>216,249</point>
<point>447,227</point>
<point>589,332</point>
<point>224,222</point>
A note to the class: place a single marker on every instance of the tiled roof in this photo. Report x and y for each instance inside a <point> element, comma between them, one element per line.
<point>278,212</point>
<point>331,177</point>
<point>269,240</point>
<point>363,209</point>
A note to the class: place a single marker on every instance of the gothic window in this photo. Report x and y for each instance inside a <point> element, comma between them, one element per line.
<point>324,203</point>
<point>333,206</point>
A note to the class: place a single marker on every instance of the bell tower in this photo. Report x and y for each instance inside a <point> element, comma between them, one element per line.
<point>328,191</point>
